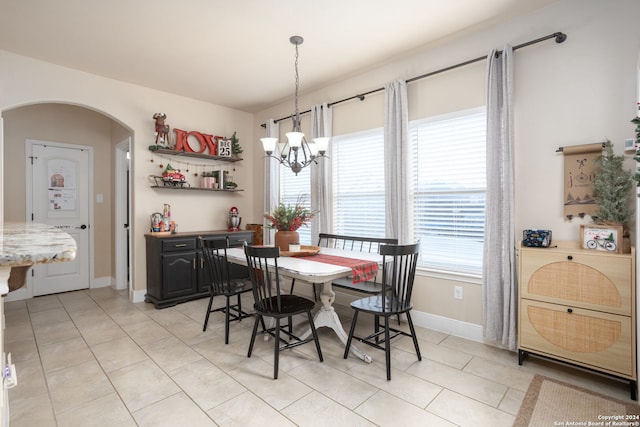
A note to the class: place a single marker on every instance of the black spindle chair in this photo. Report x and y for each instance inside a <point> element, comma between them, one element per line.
<point>214,253</point>
<point>270,302</point>
<point>398,273</point>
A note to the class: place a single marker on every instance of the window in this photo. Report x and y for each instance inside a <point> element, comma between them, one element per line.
<point>357,162</point>
<point>292,186</point>
<point>448,190</point>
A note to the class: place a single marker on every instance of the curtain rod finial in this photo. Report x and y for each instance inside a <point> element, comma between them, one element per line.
<point>560,37</point>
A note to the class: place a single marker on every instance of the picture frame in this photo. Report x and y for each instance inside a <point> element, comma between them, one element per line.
<point>224,148</point>
<point>598,237</point>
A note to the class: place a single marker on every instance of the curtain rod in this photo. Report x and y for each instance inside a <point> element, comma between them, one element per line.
<point>559,37</point>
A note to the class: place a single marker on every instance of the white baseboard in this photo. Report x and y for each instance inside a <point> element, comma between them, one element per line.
<point>458,328</point>
<point>101,282</point>
<point>137,296</point>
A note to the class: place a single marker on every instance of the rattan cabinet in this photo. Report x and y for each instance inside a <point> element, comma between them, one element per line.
<point>578,306</point>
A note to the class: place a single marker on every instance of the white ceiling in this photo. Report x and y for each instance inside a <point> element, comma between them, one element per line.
<point>235,53</point>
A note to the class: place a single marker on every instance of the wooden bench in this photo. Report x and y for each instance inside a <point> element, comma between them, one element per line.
<point>356,244</point>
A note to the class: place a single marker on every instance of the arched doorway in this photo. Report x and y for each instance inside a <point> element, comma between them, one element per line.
<point>69,124</point>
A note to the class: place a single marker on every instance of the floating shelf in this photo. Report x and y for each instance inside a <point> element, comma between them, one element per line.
<point>172,187</point>
<point>197,155</point>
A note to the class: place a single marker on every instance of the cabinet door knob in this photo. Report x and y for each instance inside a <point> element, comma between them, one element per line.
<point>569,257</point>
<point>569,310</point>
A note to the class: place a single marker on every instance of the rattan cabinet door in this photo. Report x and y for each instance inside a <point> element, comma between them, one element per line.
<point>589,338</point>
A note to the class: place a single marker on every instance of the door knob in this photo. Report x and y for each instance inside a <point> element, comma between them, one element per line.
<point>83,226</point>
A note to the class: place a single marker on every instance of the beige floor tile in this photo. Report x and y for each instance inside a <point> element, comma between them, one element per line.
<point>205,384</point>
<point>469,385</point>
<point>58,332</point>
<point>510,375</point>
<point>382,409</point>
<point>171,353</point>
<point>43,303</point>
<point>55,315</point>
<point>412,389</point>
<point>146,332</point>
<point>446,356</point>
<point>77,385</point>
<point>118,353</point>
<point>335,384</point>
<point>512,401</point>
<point>65,354</point>
<point>316,409</point>
<point>31,380</point>
<point>467,412</point>
<point>176,410</point>
<point>168,316</point>
<point>18,332</point>
<point>247,410</point>
<point>31,411</point>
<point>101,332</point>
<point>25,350</point>
<point>257,376</point>
<point>106,411</point>
<point>142,384</point>
<point>128,316</point>
<point>19,314</point>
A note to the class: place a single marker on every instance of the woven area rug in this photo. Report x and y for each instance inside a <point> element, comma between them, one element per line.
<point>550,402</point>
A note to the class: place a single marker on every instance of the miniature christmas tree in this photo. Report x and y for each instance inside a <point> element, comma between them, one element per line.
<point>612,188</point>
<point>235,144</point>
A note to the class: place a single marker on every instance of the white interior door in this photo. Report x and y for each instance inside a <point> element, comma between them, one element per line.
<point>60,197</point>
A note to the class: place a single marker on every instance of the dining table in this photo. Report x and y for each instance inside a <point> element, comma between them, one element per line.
<point>324,267</point>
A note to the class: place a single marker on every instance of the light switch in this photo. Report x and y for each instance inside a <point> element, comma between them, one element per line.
<point>99,198</point>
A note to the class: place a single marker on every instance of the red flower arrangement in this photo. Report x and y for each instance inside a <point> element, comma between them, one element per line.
<point>290,218</point>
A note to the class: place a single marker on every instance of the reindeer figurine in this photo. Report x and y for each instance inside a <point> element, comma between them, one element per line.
<point>162,129</point>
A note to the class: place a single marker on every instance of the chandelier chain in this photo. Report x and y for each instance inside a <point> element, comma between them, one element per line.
<point>297,114</point>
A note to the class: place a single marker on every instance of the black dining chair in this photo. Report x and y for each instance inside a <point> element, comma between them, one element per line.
<point>398,273</point>
<point>217,269</point>
<point>270,302</point>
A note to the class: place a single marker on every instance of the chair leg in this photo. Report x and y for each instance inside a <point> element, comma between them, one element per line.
<point>276,355</point>
<point>315,292</point>
<point>387,346</point>
<point>413,335</point>
<point>226,322</point>
<point>351,331</point>
<point>293,282</point>
<point>315,335</point>
<point>206,318</point>
<point>376,327</point>
<point>255,331</point>
<point>240,309</point>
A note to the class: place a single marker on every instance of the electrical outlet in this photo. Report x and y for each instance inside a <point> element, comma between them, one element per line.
<point>457,292</point>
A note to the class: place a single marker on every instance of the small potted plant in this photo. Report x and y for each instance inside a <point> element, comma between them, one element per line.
<point>287,219</point>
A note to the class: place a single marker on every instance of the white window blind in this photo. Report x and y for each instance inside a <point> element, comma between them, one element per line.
<point>449,186</point>
<point>292,186</point>
<point>357,162</point>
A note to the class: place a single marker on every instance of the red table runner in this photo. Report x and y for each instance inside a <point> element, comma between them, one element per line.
<point>362,270</point>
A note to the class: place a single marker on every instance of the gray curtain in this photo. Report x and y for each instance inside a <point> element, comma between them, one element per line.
<point>271,180</point>
<point>321,125</point>
<point>499,295</point>
<point>396,162</point>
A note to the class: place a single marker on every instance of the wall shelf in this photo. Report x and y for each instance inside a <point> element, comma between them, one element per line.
<point>173,187</point>
<point>197,155</point>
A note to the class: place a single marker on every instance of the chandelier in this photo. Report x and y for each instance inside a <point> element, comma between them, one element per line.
<point>296,153</point>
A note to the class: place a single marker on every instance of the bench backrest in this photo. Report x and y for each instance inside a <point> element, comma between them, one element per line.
<point>354,243</point>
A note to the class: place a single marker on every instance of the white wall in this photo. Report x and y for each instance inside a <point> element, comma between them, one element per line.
<point>581,91</point>
<point>26,81</point>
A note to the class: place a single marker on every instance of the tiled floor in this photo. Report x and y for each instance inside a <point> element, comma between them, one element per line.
<point>92,358</point>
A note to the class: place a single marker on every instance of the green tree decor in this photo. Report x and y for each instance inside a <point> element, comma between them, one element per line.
<point>612,188</point>
<point>235,144</point>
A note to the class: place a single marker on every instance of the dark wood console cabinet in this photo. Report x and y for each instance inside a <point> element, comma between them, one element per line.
<point>175,268</point>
